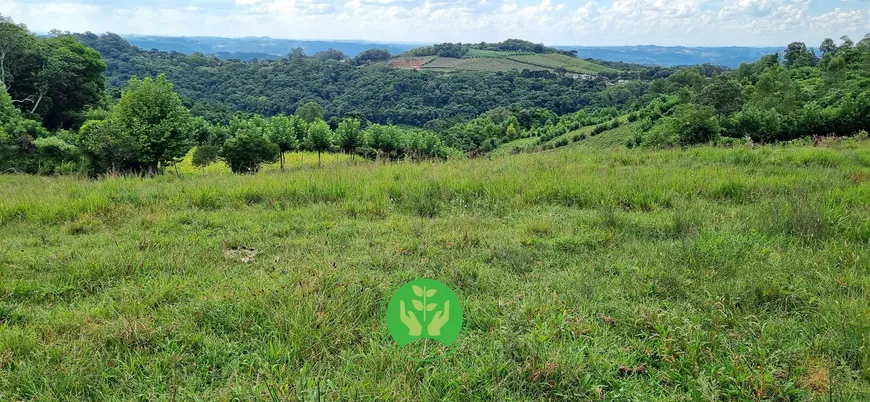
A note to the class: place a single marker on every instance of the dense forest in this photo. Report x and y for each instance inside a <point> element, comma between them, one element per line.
<point>215,88</point>
<point>70,104</point>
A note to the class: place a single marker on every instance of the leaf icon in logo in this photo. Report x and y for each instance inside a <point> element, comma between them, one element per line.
<point>417,290</point>
<point>418,305</point>
<point>430,307</point>
<point>430,292</point>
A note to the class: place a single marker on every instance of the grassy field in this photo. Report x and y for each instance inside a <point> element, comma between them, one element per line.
<point>572,64</point>
<point>487,60</point>
<point>492,53</point>
<point>699,274</point>
<point>479,64</point>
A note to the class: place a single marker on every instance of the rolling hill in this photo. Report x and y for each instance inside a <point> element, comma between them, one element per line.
<point>494,61</point>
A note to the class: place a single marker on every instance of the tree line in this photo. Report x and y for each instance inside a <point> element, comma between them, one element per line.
<point>64,110</point>
<point>777,98</point>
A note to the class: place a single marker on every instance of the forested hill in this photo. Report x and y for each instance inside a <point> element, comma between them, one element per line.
<point>259,47</point>
<point>265,48</point>
<point>216,88</point>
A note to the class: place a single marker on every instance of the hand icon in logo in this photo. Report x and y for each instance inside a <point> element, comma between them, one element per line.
<point>424,308</point>
<point>410,320</point>
<point>439,320</point>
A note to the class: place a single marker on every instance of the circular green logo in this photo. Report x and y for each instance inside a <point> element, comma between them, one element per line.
<point>424,309</point>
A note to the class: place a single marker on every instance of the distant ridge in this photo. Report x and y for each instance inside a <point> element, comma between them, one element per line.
<point>674,55</point>
<point>249,48</point>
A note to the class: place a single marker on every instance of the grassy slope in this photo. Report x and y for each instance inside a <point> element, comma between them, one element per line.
<point>293,160</point>
<point>479,64</point>
<point>642,275</point>
<point>569,63</point>
<point>515,146</point>
<point>504,61</point>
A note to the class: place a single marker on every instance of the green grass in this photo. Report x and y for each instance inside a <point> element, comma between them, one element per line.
<point>486,60</point>
<point>491,53</point>
<point>479,64</point>
<point>515,146</point>
<point>699,274</point>
<point>572,64</point>
<point>611,138</point>
<point>293,160</point>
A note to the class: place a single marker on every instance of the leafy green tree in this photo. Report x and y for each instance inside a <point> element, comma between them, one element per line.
<point>372,55</point>
<point>16,45</point>
<point>108,146</point>
<point>8,112</point>
<point>762,125</point>
<point>310,112</point>
<point>828,46</point>
<point>723,94</point>
<point>153,114</point>
<point>205,155</point>
<point>282,132</point>
<point>431,145</point>
<point>248,148</point>
<point>71,79</point>
<point>350,136</point>
<point>319,138</point>
<point>796,55</point>
<point>512,132</point>
<point>835,71</point>
<point>56,155</point>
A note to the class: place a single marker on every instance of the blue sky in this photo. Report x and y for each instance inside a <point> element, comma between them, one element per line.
<point>557,22</point>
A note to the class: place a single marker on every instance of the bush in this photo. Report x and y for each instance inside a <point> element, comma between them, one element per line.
<point>760,125</point>
<point>247,150</point>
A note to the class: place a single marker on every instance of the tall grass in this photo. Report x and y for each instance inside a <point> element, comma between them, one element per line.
<point>699,274</point>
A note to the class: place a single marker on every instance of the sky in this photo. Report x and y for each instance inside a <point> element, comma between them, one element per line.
<point>553,22</point>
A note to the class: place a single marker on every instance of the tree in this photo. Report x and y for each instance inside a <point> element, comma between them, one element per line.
<point>330,54</point>
<point>828,46</point>
<point>372,55</point>
<point>384,139</point>
<point>205,155</point>
<point>282,132</point>
<point>310,112</point>
<point>796,55</point>
<point>51,78</point>
<point>723,94</point>
<point>349,135</point>
<point>108,146</point>
<point>153,114</point>
<point>248,148</point>
<point>15,42</point>
<point>511,132</point>
<point>319,138</point>
<point>835,71</point>
<point>762,125</point>
<point>70,80</point>
<point>7,110</point>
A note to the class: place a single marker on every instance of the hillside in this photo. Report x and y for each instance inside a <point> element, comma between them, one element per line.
<point>262,47</point>
<point>586,275</point>
<point>247,48</point>
<point>495,61</point>
<point>674,55</point>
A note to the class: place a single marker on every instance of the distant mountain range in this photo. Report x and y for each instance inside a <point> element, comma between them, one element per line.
<point>269,48</point>
<point>674,55</point>
<point>257,47</point>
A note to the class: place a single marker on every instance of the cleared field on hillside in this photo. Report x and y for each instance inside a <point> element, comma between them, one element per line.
<point>569,63</point>
<point>488,60</point>
<point>410,62</point>
<point>735,274</point>
<point>491,53</point>
<point>480,64</point>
